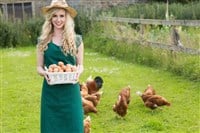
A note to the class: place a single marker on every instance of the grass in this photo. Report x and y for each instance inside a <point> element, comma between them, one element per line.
<point>21,90</point>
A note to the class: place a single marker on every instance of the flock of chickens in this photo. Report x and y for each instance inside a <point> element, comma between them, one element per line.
<point>91,94</point>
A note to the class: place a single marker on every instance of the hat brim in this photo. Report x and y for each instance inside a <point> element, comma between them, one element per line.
<point>70,10</point>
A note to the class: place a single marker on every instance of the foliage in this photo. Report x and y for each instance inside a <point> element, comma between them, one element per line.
<point>82,23</point>
<point>19,34</point>
<point>33,28</point>
<point>20,104</point>
<point>178,63</point>
<point>12,35</point>
<point>156,11</point>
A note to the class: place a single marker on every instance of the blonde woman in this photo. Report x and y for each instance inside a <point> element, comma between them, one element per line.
<point>61,106</point>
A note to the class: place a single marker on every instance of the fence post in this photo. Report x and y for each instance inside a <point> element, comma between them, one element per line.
<point>175,37</point>
<point>142,28</point>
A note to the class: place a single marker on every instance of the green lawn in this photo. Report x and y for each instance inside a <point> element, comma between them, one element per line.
<point>21,90</point>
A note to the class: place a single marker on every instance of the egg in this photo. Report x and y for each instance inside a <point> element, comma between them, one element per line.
<point>74,68</point>
<point>56,69</point>
<point>60,63</point>
<point>68,68</point>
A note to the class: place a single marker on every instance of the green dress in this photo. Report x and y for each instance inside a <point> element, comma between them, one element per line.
<point>61,105</point>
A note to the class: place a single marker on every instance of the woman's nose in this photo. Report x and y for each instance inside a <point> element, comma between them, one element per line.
<point>58,18</point>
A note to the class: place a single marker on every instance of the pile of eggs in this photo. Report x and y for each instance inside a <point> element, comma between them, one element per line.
<point>61,67</point>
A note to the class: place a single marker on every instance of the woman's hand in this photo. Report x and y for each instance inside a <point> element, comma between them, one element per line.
<point>43,73</point>
<point>46,77</point>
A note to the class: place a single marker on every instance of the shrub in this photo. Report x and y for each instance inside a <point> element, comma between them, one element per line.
<point>180,64</point>
<point>11,34</point>
<point>156,11</point>
<point>19,34</point>
<point>33,28</point>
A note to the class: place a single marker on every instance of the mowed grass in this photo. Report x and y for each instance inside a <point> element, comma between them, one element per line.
<point>21,91</point>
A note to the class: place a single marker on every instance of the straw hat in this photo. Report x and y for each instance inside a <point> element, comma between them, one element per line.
<point>60,4</point>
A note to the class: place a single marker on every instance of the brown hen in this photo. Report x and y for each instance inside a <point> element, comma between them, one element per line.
<point>149,90</point>
<point>83,89</point>
<point>87,124</point>
<point>88,106</point>
<point>121,105</point>
<point>92,98</point>
<point>94,85</point>
<point>155,101</point>
<point>151,100</point>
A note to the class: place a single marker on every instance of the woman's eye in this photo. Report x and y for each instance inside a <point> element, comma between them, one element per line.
<point>61,16</point>
<point>54,15</point>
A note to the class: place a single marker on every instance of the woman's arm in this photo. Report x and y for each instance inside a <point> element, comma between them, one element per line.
<point>79,57</point>
<point>40,63</point>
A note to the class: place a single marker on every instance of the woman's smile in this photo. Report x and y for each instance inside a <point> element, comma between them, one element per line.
<point>59,18</point>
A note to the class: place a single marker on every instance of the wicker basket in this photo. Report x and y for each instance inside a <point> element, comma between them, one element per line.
<point>62,77</point>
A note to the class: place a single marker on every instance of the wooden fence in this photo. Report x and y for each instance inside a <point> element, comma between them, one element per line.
<point>156,45</point>
<point>195,23</point>
<point>192,23</point>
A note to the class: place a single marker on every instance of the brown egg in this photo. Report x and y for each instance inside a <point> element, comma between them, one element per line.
<point>68,68</point>
<point>56,69</point>
<point>60,70</point>
<point>50,69</point>
<point>52,66</point>
<point>63,67</point>
<point>60,63</point>
<point>74,68</point>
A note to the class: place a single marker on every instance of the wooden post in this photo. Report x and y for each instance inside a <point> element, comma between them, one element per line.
<point>175,37</point>
<point>167,10</point>
<point>142,27</point>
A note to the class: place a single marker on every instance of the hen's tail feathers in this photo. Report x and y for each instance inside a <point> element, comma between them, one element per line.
<point>129,86</point>
<point>149,85</point>
<point>100,92</point>
<point>139,93</point>
<point>89,78</point>
<point>88,118</point>
<point>168,104</point>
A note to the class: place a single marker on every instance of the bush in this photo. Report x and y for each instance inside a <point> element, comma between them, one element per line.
<point>181,64</point>
<point>19,34</point>
<point>11,35</point>
<point>82,24</point>
<point>33,28</point>
<point>156,11</point>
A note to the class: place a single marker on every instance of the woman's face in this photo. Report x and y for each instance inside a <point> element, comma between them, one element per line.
<point>59,18</point>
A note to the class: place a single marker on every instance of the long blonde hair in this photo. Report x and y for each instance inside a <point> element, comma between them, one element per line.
<point>68,42</point>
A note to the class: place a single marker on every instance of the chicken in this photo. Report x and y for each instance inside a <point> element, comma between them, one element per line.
<point>143,96</point>
<point>94,85</point>
<point>83,89</point>
<point>92,98</point>
<point>149,90</point>
<point>88,106</point>
<point>98,95</point>
<point>151,99</point>
<point>155,101</point>
<point>126,92</point>
<point>90,93</point>
<point>121,105</point>
<point>87,124</point>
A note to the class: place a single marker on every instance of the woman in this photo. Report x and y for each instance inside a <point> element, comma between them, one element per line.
<point>61,106</point>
